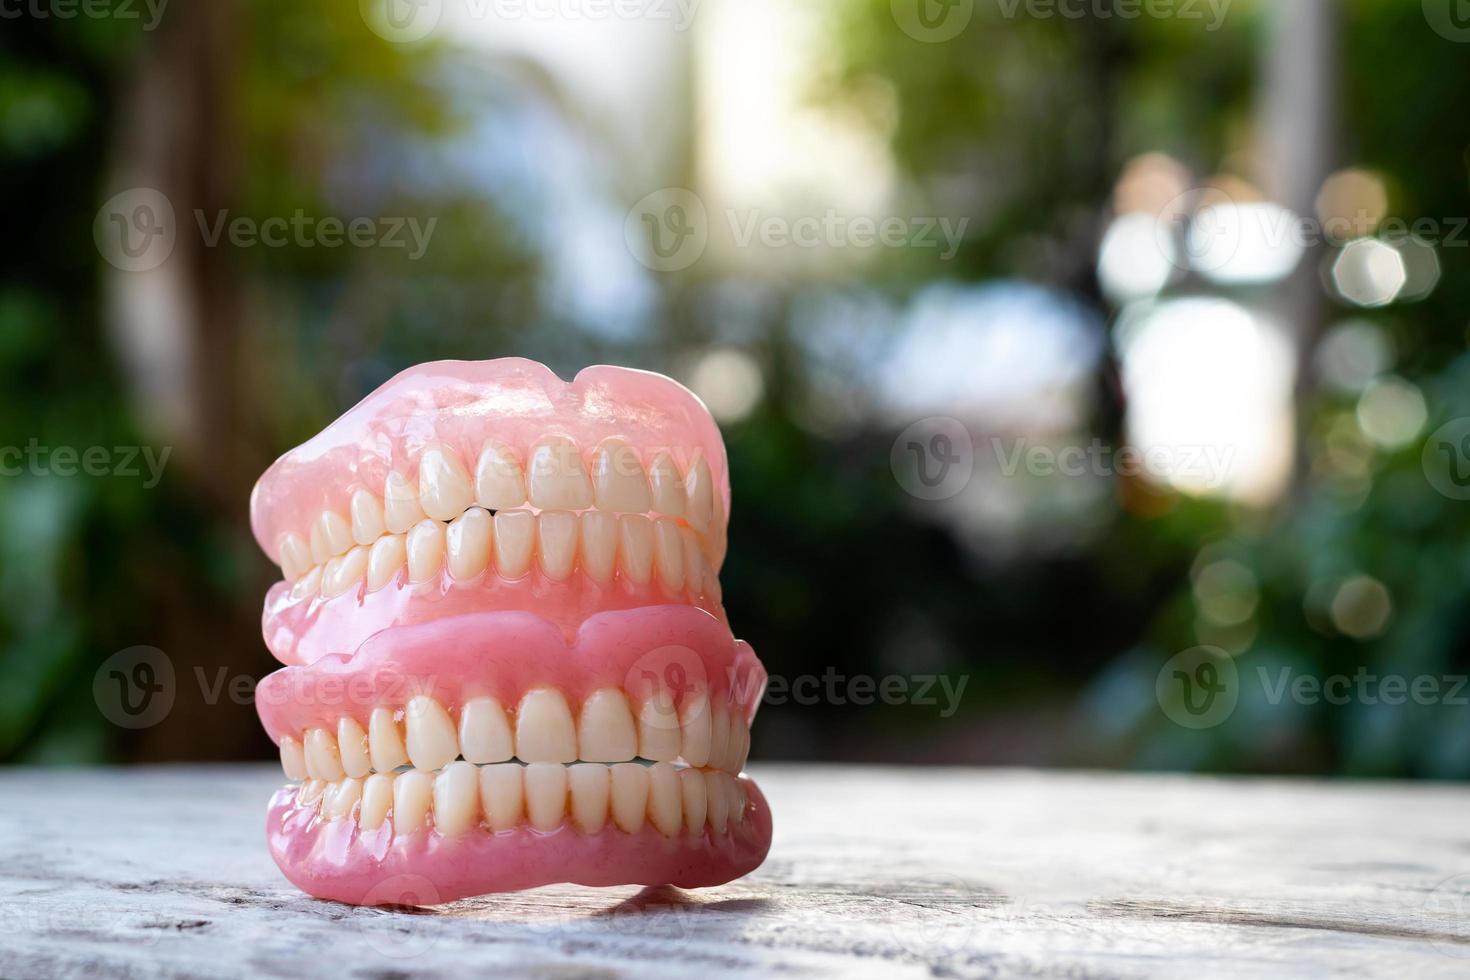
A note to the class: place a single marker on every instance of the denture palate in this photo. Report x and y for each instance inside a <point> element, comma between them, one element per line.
<point>609,516</point>
<point>581,769</point>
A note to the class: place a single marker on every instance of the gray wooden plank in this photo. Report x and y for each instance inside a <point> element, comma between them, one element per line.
<point>886,872</point>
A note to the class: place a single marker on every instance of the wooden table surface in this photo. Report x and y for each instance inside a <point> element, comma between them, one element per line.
<point>884,872</point>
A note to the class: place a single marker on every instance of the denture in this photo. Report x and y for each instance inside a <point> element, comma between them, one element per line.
<point>506,659</point>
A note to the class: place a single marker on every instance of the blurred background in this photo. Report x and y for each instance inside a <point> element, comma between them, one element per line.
<point>1051,340</point>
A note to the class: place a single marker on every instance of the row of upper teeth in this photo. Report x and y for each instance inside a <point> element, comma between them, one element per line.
<point>543,795</point>
<point>513,541</point>
<point>542,728</point>
<point>556,478</point>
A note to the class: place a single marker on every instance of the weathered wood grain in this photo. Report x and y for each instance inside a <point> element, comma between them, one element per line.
<point>874,872</point>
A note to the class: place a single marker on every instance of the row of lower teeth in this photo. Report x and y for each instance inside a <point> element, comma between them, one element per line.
<point>556,479</point>
<point>541,728</point>
<point>542,795</point>
<point>512,542</point>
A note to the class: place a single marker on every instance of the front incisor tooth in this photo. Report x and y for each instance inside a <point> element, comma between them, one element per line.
<point>456,799</point>
<point>556,533</point>
<point>401,509</point>
<point>468,543</point>
<point>658,730</point>
<point>484,731</point>
<point>387,555</point>
<point>343,573</point>
<point>694,729</point>
<point>322,761</point>
<point>605,730</point>
<point>502,795</point>
<point>342,797</point>
<point>431,739</point>
<point>599,538</point>
<point>695,799</point>
<point>700,486</point>
<point>385,743</point>
<point>546,795</point>
<point>377,800</point>
<point>665,800</point>
<point>445,490</point>
<point>668,554</point>
<point>352,747</point>
<point>295,557</point>
<point>629,795</point>
<point>515,538</point>
<point>557,476</point>
<point>619,481</point>
<point>367,516</point>
<point>425,551</point>
<point>668,489</point>
<point>635,547</point>
<point>413,791</point>
<point>544,728</point>
<point>590,786</point>
<point>293,758</point>
<point>500,484</point>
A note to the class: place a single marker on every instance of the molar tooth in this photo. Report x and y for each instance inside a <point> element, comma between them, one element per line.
<point>617,474</point>
<point>658,730</point>
<point>668,554</point>
<point>695,800</point>
<point>693,561</point>
<point>719,806</point>
<point>387,555</point>
<point>665,800</point>
<point>605,729</point>
<point>412,793</point>
<point>431,740</point>
<point>352,747</point>
<point>557,476</point>
<point>499,482</point>
<point>668,491</point>
<point>484,731</point>
<point>599,534</point>
<point>425,551</point>
<point>629,795</point>
<point>385,744</point>
<point>635,547</point>
<point>468,542</point>
<point>740,738</point>
<point>293,758</point>
<point>342,797</point>
<point>367,516</point>
<point>308,584</point>
<point>700,485</point>
<point>719,724</point>
<point>343,573</point>
<point>515,536</point>
<point>546,794</point>
<point>444,484</point>
<point>335,534</point>
<point>502,795</point>
<point>544,728</point>
<point>591,787</point>
<point>556,532</point>
<point>456,799</point>
<point>322,761</point>
<point>295,557</point>
<point>401,509</point>
<point>311,791</point>
<point>694,729</point>
<point>738,800</point>
<point>377,800</point>
<point>318,537</point>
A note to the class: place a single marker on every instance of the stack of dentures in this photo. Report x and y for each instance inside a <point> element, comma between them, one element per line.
<point>507,663</point>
